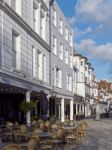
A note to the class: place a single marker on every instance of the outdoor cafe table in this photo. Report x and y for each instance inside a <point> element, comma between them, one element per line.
<point>43,134</point>
<point>69,129</point>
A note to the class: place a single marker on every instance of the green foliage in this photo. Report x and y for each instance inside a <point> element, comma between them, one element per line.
<point>34,118</point>
<point>26,106</point>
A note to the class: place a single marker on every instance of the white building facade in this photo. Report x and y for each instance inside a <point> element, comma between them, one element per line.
<point>36,56</point>
<point>83,88</point>
<point>61,64</point>
<point>24,53</point>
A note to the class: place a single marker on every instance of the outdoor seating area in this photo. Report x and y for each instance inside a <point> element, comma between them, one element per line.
<point>42,135</point>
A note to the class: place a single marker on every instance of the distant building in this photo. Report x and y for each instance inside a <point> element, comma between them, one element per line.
<point>84,74</point>
<point>105,95</point>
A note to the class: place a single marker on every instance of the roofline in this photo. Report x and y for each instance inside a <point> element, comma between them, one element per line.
<point>79,55</point>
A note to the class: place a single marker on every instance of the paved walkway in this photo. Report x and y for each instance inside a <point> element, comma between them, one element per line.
<point>99,136</point>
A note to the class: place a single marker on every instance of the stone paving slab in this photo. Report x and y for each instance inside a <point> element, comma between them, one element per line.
<point>99,135</point>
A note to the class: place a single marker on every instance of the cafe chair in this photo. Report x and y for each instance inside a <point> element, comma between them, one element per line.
<point>83,128</point>
<point>7,132</point>
<point>33,143</point>
<point>59,139</point>
<point>47,125</point>
<point>11,147</point>
<point>75,136</point>
<point>23,135</point>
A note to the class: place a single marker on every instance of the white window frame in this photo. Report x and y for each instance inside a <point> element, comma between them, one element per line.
<point>34,18</point>
<point>40,64</point>
<point>71,61</point>
<point>43,24</point>
<point>66,34</point>
<point>61,51</point>
<point>17,6</point>
<point>54,45</point>
<point>34,62</point>
<point>44,68</point>
<point>70,39</point>
<point>61,26</point>
<point>58,77</point>
<point>66,56</point>
<point>81,76</point>
<point>16,49</point>
<point>54,17</point>
<point>69,82</point>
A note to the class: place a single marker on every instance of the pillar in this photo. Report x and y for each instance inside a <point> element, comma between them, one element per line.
<point>28,114</point>
<point>48,112</point>
<point>83,109</point>
<point>76,110</point>
<point>59,108</point>
<point>80,109</point>
<point>62,110</point>
<point>71,109</point>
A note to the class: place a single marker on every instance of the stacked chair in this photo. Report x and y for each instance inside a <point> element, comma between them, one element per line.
<point>58,135</point>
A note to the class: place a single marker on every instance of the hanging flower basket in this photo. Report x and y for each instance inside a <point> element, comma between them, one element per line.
<point>26,106</point>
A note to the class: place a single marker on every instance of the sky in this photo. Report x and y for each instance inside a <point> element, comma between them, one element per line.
<point>92,25</point>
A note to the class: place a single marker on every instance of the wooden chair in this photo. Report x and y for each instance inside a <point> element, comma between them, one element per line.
<point>75,136</point>
<point>23,135</point>
<point>11,147</point>
<point>9,125</point>
<point>47,125</point>
<point>16,124</point>
<point>34,122</point>
<point>58,122</point>
<point>59,139</point>
<point>33,143</point>
<point>37,130</point>
<point>67,122</point>
<point>40,121</point>
<point>83,128</point>
<point>7,132</point>
<point>42,126</point>
<point>54,127</point>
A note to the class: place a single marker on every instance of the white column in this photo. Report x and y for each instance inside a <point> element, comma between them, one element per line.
<point>28,114</point>
<point>62,110</point>
<point>83,108</point>
<point>79,109</point>
<point>48,112</point>
<point>86,110</point>
<point>71,109</point>
<point>76,109</point>
<point>59,107</point>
